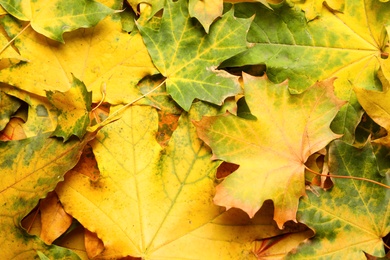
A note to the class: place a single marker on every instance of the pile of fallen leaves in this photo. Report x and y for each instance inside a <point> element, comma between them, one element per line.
<point>194,129</point>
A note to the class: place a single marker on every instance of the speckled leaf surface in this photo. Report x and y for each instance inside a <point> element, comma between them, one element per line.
<point>188,57</point>
<point>73,107</point>
<point>30,168</point>
<point>346,45</point>
<point>53,18</point>
<point>272,149</point>
<point>99,56</point>
<point>354,216</point>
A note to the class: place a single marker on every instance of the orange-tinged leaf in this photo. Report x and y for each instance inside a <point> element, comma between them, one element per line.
<point>155,203</point>
<point>273,149</point>
<point>30,168</point>
<point>13,130</point>
<point>93,245</point>
<point>55,221</point>
<point>102,55</point>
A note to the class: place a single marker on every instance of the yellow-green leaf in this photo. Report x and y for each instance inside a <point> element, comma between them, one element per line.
<point>271,150</point>
<point>73,107</point>
<point>150,202</point>
<point>100,56</point>
<point>30,168</point>
<point>313,8</point>
<point>8,106</point>
<point>353,217</point>
<point>346,45</point>
<point>188,57</point>
<point>53,18</point>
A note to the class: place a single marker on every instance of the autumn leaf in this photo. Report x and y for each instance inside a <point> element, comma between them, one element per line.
<point>313,8</point>
<point>102,57</point>
<point>205,11</point>
<point>8,106</point>
<point>377,106</point>
<point>144,190</point>
<point>156,5</point>
<point>73,108</point>
<point>347,220</point>
<point>345,45</point>
<point>273,149</point>
<point>31,168</point>
<point>189,57</point>
<point>53,18</point>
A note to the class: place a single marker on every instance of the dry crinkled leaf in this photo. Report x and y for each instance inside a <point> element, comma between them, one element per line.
<point>30,168</point>
<point>73,107</point>
<point>136,206</point>
<point>353,217</point>
<point>273,149</point>
<point>53,18</point>
<point>55,221</point>
<point>188,57</point>
<point>345,45</point>
<point>93,245</point>
<point>100,56</point>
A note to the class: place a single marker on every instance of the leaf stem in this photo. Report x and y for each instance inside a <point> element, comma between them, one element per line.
<point>13,39</point>
<point>135,100</point>
<point>348,177</point>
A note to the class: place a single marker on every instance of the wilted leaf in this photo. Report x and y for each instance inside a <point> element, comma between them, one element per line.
<point>53,18</point>
<point>345,45</point>
<point>273,149</point>
<point>136,206</point>
<point>30,168</point>
<point>13,130</point>
<point>353,217</point>
<point>99,56</point>
<point>73,108</point>
<point>188,57</point>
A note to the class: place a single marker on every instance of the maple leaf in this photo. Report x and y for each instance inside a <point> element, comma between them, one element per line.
<point>205,11</point>
<point>53,18</point>
<point>100,56</point>
<point>137,204</point>
<point>271,150</point>
<point>73,109</point>
<point>156,5</point>
<point>345,45</point>
<point>347,220</point>
<point>189,57</point>
<point>31,168</point>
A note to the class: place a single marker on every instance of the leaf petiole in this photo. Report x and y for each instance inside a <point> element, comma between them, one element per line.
<point>13,39</point>
<point>348,177</point>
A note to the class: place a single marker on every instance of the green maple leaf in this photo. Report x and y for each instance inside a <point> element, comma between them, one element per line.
<point>53,18</point>
<point>345,45</point>
<point>73,108</point>
<point>271,150</point>
<point>29,169</point>
<point>188,57</point>
<point>353,217</point>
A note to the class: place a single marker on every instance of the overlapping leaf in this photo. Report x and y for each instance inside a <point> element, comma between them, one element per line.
<point>313,8</point>
<point>73,109</point>
<point>8,106</point>
<point>30,168</point>
<point>272,149</point>
<point>53,18</point>
<point>345,45</point>
<point>354,216</point>
<point>142,193</point>
<point>103,57</point>
<point>188,57</point>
